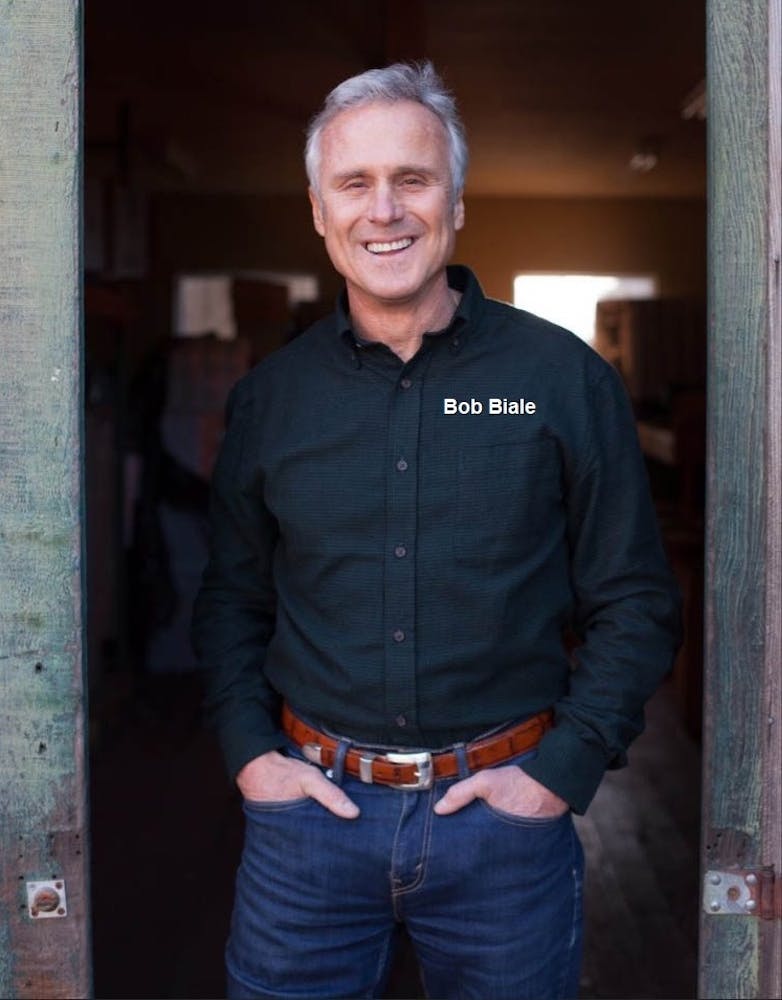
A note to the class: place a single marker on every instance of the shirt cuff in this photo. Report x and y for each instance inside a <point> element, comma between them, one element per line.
<point>244,743</point>
<point>569,766</point>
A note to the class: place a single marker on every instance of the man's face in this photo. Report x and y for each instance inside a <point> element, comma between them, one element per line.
<point>385,206</point>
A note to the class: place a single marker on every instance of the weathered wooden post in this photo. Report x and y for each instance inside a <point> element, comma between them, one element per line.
<point>741,922</point>
<point>43,844</point>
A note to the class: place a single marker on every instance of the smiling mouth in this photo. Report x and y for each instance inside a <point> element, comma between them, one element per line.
<point>390,247</point>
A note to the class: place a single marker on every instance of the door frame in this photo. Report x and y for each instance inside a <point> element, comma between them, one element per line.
<point>740,953</point>
<point>44,889</point>
<point>43,822</point>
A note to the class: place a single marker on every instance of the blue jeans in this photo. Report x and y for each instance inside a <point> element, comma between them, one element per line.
<point>491,901</point>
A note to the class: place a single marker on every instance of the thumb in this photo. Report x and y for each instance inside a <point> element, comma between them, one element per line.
<point>330,796</point>
<point>458,796</point>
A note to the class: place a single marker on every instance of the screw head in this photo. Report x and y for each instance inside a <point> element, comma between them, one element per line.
<point>46,899</point>
<point>750,905</point>
<point>715,879</point>
<point>715,905</point>
<point>751,879</point>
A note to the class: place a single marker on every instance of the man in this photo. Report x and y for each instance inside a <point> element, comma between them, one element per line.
<point>415,500</point>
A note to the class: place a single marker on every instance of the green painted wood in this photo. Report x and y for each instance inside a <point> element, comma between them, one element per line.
<point>741,721</point>
<point>770,940</point>
<point>42,752</point>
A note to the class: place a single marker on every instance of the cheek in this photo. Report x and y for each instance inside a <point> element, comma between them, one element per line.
<point>340,226</point>
<point>341,251</point>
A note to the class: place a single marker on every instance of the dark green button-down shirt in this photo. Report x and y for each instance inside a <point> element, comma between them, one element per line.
<point>398,548</point>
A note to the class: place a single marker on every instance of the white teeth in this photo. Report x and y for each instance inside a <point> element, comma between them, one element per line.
<point>387,247</point>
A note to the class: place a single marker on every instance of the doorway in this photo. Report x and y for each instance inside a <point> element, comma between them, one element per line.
<point>216,201</point>
<point>142,315</point>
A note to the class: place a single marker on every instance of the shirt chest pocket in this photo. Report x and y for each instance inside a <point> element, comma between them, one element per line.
<point>507,495</point>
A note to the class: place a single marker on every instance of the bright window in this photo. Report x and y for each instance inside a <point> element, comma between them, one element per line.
<point>204,303</point>
<point>570,300</point>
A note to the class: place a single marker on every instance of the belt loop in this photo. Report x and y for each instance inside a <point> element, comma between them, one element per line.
<point>461,759</point>
<point>338,768</point>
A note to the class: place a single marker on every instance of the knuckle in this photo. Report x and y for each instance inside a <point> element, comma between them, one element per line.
<point>309,784</point>
<point>481,786</point>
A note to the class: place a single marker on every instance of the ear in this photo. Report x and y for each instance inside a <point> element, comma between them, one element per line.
<point>458,212</point>
<point>317,213</point>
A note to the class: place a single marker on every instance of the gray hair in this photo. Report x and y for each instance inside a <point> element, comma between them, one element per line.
<point>399,82</point>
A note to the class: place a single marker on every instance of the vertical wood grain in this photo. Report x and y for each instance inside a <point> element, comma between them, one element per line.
<point>42,753</point>
<point>742,623</point>
<point>770,941</point>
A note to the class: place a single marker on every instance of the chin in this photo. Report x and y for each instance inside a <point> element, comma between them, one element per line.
<point>393,287</point>
<point>400,290</point>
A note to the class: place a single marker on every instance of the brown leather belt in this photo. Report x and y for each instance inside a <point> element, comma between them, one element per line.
<point>415,770</point>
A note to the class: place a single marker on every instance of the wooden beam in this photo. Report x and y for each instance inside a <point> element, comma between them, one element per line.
<point>770,944</point>
<point>742,719</point>
<point>42,752</point>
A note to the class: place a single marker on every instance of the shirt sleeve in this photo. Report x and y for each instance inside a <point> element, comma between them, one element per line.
<point>627,605</point>
<point>234,612</point>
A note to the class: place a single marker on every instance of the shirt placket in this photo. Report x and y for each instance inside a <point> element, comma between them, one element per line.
<point>399,622</point>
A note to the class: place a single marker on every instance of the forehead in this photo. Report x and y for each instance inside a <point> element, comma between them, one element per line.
<point>383,133</point>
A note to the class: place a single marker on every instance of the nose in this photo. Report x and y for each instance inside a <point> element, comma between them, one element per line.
<point>385,206</point>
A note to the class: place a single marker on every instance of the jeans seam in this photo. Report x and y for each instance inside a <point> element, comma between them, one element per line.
<point>397,894</point>
<point>525,822</point>
<point>393,854</point>
<point>381,968</point>
<point>424,850</point>
<point>275,805</point>
<point>567,965</point>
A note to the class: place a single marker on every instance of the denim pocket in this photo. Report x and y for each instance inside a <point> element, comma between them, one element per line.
<point>514,819</point>
<point>275,805</point>
<point>279,805</point>
<point>517,819</point>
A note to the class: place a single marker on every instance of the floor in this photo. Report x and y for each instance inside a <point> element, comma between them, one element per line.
<point>167,835</point>
<point>641,840</point>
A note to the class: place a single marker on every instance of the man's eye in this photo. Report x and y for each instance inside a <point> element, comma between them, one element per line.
<point>412,182</point>
<point>356,185</point>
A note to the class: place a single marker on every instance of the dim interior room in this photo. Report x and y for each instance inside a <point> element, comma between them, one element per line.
<point>587,139</point>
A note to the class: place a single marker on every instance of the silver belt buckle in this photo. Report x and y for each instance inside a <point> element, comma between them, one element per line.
<point>424,773</point>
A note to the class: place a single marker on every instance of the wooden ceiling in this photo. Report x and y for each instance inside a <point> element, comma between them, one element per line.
<point>557,95</point>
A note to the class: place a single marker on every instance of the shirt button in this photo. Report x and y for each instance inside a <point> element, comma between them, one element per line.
<point>406,383</point>
<point>401,721</point>
<point>398,635</point>
<point>400,551</point>
<point>401,465</point>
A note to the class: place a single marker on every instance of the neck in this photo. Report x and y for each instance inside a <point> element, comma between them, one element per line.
<point>402,325</point>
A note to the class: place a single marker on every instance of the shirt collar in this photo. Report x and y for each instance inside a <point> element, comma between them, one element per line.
<point>465,319</point>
